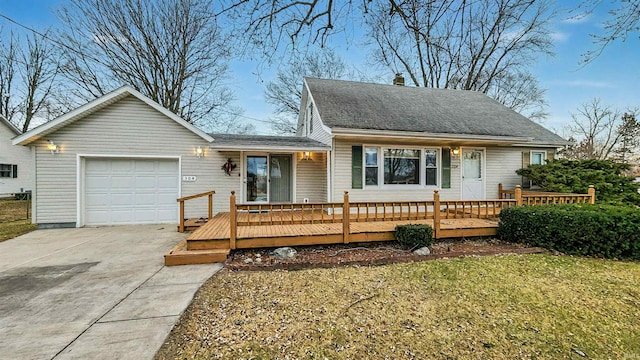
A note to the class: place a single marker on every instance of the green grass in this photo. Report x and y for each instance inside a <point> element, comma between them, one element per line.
<point>13,219</point>
<point>497,307</point>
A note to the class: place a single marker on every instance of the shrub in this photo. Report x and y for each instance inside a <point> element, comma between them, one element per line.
<point>578,229</point>
<point>574,176</point>
<point>414,235</point>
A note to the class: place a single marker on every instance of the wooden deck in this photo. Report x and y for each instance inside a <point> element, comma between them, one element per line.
<point>216,232</point>
<point>275,225</point>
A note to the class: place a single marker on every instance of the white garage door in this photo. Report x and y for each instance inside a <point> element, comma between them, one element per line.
<point>130,191</point>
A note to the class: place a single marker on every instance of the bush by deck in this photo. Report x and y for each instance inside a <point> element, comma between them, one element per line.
<point>578,229</point>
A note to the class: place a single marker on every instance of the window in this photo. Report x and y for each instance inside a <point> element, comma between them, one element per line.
<point>371,163</point>
<point>431,162</point>
<point>386,166</point>
<point>538,157</point>
<point>310,118</point>
<point>401,166</point>
<point>8,171</point>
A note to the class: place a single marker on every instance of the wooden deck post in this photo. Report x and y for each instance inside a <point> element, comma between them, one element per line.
<point>210,206</point>
<point>592,194</point>
<point>500,191</point>
<point>346,211</point>
<point>233,224</point>
<point>181,228</point>
<point>436,214</point>
<point>518,195</point>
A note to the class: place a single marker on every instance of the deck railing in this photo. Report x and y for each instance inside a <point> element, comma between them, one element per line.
<point>183,199</point>
<point>287,214</point>
<point>364,211</point>
<point>524,197</point>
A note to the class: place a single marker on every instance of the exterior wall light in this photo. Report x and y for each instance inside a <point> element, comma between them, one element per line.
<point>199,151</point>
<point>306,155</point>
<point>456,151</point>
<point>51,146</point>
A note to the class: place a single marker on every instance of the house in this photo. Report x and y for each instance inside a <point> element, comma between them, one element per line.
<point>391,142</point>
<point>16,162</point>
<point>124,159</point>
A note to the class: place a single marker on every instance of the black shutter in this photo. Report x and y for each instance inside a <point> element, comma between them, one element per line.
<point>15,171</point>
<point>446,168</point>
<point>356,167</point>
<point>526,161</point>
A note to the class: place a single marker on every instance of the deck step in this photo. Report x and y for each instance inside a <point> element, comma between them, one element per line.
<point>210,244</point>
<point>179,255</point>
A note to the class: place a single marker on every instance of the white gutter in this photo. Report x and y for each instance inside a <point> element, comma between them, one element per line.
<point>269,148</point>
<point>453,138</point>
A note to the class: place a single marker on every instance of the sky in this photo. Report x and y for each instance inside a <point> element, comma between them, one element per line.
<point>613,77</point>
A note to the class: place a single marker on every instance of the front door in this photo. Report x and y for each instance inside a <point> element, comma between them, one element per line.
<point>268,178</point>
<point>472,179</point>
<point>257,178</point>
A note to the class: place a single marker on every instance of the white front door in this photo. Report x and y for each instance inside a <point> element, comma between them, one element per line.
<point>472,178</point>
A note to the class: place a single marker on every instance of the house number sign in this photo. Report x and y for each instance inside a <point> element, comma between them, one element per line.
<point>189,178</point>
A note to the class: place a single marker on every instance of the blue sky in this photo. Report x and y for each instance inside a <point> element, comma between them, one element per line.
<point>613,77</point>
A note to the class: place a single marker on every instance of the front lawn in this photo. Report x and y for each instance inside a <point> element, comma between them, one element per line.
<point>496,307</point>
<point>13,219</point>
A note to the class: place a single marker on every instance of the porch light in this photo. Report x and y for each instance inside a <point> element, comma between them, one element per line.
<point>306,155</point>
<point>199,151</point>
<point>456,151</point>
<point>51,146</point>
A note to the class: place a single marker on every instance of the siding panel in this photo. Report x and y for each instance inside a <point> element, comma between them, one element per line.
<point>127,127</point>
<point>311,178</point>
<point>342,181</point>
<point>501,164</point>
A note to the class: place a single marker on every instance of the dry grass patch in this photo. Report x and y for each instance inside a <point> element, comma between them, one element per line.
<point>13,219</point>
<point>499,307</point>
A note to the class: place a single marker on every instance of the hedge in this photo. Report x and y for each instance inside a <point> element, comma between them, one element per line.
<point>579,229</point>
<point>414,235</point>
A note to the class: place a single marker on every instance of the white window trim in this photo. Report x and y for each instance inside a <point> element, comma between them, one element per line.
<point>423,169</point>
<point>10,171</point>
<point>544,156</point>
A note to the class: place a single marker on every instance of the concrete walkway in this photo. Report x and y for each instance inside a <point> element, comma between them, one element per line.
<point>92,293</point>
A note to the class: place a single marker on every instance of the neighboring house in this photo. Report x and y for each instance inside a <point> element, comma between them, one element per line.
<point>16,162</point>
<point>124,159</point>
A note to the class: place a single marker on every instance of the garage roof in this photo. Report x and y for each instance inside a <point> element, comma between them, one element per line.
<point>95,105</point>
<point>265,143</point>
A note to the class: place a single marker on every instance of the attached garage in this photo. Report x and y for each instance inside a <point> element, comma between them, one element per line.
<point>120,191</point>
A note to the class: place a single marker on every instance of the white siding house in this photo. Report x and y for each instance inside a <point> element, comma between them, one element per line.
<point>123,159</point>
<point>397,143</point>
<point>16,162</point>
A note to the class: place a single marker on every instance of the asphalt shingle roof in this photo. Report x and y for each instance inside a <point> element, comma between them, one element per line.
<point>358,105</point>
<point>264,141</point>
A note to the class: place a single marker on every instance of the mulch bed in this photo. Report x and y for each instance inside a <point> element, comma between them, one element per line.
<point>367,254</point>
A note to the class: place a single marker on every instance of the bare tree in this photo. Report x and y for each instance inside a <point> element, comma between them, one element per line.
<point>28,74</point>
<point>170,50</point>
<point>285,92</point>
<point>484,46</point>
<point>38,75</point>
<point>600,132</point>
<point>8,65</point>
<point>622,22</point>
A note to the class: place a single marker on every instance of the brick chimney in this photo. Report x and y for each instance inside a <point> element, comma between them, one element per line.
<point>398,80</point>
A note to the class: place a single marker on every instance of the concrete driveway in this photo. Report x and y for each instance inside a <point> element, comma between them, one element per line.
<point>92,293</point>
